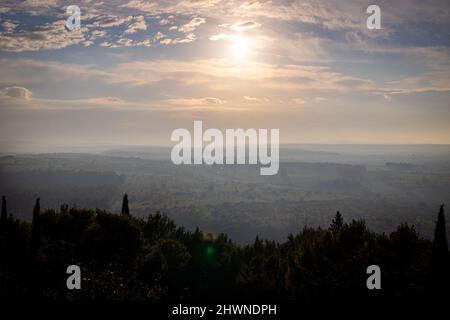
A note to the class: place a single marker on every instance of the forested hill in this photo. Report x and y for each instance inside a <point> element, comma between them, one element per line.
<point>123,257</point>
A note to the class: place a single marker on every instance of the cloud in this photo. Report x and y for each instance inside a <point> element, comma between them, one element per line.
<point>166,21</point>
<point>9,26</point>
<point>97,34</point>
<point>39,3</point>
<point>111,21</point>
<point>297,101</point>
<point>25,71</point>
<point>255,99</point>
<point>16,92</point>
<point>49,36</point>
<point>207,101</point>
<point>249,98</point>
<point>240,26</point>
<point>159,35</point>
<point>14,97</point>
<point>126,42</point>
<point>192,25</point>
<point>139,24</point>
<point>227,75</point>
<point>144,6</point>
<point>4,9</point>
<point>190,37</point>
<point>30,71</point>
<point>102,101</point>
<point>222,36</point>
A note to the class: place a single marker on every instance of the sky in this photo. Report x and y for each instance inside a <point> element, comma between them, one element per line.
<point>136,70</point>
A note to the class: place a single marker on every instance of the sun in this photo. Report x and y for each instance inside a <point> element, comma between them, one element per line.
<point>240,48</point>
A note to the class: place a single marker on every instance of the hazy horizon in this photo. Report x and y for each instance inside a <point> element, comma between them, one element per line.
<point>37,148</point>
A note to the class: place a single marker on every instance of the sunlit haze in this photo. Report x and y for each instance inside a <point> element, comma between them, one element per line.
<point>137,70</point>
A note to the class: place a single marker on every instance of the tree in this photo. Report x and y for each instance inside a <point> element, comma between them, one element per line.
<point>4,213</point>
<point>439,278</point>
<point>125,209</point>
<point>337,223</point>
<point>35,227</point>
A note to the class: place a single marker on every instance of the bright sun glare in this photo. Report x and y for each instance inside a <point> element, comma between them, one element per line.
<point>240,48</point>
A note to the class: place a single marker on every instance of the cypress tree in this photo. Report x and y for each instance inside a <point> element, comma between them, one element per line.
<point>337,223</point>
<point>35,227</point>
<point>4,212</point>
<point>440,267</point>
<point>3,216</point>
<point>125,209</point>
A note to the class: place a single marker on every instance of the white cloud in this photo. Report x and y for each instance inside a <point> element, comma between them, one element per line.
<point>166,21</point>
<point>39,3</point>
<point>4,9</point>
<point>29,71</point>
<point>97,34</point>
<point>9,26</point>
<point>255,99</point>
<point>159,35</point>
<point>111,21</point>
<point>139,24</point>
<point>197,101</point>
<point>16,92</point>
<point>297,101</point>
<point>239,26</point>
<point>192,25</point>
<point>126,42</point>
<point>190,37</point>
<point>221,36</point>
<point>49,36</point>
<point>144,6</point>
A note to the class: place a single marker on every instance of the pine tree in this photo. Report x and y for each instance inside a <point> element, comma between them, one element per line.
<point>337,223</point>
<point>3,216</point>
<point>64,208</point>
<point>440,267</point>
<point>125,209</point>
<point>35,236</point>
<point>4,212</point>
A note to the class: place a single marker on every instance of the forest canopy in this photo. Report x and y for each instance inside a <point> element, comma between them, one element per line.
<point>124,257</point>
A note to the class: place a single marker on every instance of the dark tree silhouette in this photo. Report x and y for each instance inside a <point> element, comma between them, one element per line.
<point>337,223</point>
<point>4,212</point>
<point>125,209</point>
<point>64,207</point>
<point>440,268</point>
<point>127,258</point>
<point>35,236</point>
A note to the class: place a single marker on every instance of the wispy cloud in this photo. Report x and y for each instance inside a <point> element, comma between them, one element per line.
<point>139,24</point>
<point>308,60</point>
<point>192,25</point>
<point>48,36</point>
<point>16,92</point>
